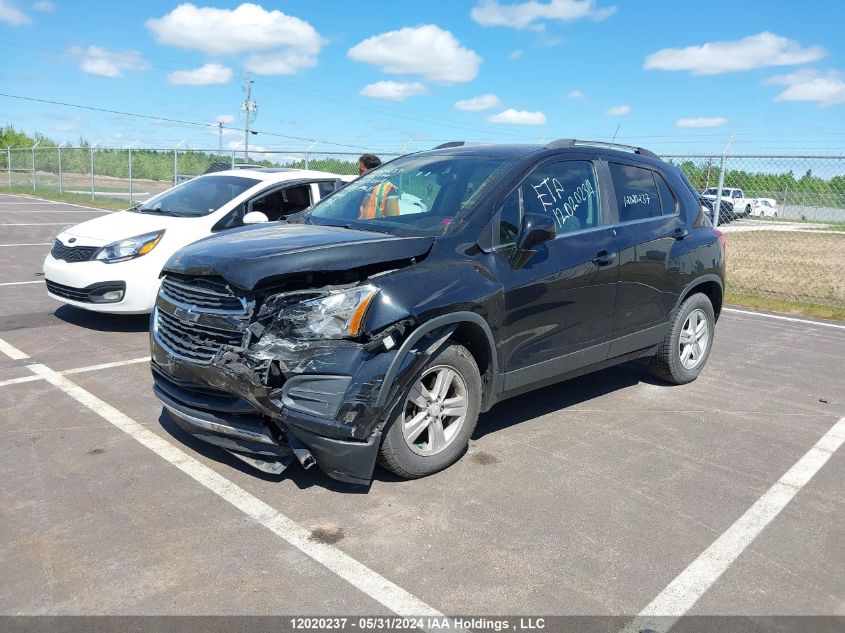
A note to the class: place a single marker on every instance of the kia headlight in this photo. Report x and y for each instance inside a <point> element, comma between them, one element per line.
<point>335,315</point>
<point>130,248</point>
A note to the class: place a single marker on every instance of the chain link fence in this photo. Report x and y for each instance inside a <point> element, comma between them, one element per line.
<point>784,216</point>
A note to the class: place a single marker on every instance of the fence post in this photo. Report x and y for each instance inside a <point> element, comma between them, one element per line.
<point>175,166</point>
<point>9,164</point>
<point>717,207</point>
<point>130,176</point>
<point>233,159</point>
<point>59,148</point>
<point>91,150</point>
<point>33,164</point>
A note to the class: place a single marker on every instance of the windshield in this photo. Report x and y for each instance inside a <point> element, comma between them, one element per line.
<point>418,194</point>
<point>710,192</point>
<point>198,197</point>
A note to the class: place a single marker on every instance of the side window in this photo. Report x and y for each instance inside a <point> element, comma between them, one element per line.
<point>567,191</point>
<point>325,188</point>
<point>636,192</point>
<point>668,200</point>
<point>279,204</point>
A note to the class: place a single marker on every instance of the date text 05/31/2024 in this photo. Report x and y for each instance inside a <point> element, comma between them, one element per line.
<point>398,623</point>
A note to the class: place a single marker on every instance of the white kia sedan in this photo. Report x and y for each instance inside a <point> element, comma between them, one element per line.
<point>112,263</point>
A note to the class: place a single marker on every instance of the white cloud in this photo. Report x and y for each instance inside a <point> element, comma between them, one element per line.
<point>620,110</point>
<point>288,62</point>
<point>392,90</point>
<point>516,54</point>
<point>207,75</point>
<point>44,5</point>
<point>104,63</point>
<point>533,14</point>
<point>702,122</point>
<point>477,104</point>
<point>715,58</point>
<point>286,44</point>
<point>12,15</point>
<point>427,51</point>
<point>225,119</point>
<point>518,117</point>
<point>825,89</point>
<point>575,95</point>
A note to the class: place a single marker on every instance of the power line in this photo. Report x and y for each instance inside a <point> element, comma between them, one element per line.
<point>169,120</point>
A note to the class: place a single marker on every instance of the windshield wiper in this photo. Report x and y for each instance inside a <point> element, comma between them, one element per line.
<point>157,211</point>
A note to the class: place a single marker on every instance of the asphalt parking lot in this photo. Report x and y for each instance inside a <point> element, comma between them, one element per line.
<point>585,498</point>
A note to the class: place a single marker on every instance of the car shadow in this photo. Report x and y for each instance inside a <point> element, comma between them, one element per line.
<point>562,395</point>
<point>506,414</point>
<point>103,322</point>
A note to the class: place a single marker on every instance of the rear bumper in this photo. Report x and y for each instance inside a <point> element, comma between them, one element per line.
<point>266,443</point>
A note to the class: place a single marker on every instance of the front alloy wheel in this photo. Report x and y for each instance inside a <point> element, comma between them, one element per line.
<point>435,410</point>
<point>432,427</point>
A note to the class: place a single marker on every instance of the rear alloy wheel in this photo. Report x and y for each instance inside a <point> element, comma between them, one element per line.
<point>433,426</point>
<point>686,346</point>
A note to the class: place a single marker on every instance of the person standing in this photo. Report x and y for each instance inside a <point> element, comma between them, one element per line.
<point>383,200</point>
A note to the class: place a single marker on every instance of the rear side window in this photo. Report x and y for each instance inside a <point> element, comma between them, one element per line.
<point>327,187</point>
<point>637,197</point>
<point>566,191</point>
<point>668,201</point>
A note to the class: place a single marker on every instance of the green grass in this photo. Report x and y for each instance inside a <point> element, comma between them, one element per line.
<point>99,202</point>
<point>785,307</point>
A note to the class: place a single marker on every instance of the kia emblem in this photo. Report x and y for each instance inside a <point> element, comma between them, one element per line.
<point>71,240</point>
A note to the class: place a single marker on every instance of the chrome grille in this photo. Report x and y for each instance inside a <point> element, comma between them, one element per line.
<point>191,341</point>
<point>201,293</point>
<point>73,254</point>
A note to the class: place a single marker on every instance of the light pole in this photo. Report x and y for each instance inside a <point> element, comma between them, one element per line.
<point>129,147</point>
<point>176,162</point>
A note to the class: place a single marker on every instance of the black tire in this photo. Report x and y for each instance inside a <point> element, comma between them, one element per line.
<point>667,364</point>
<point>397,456</point>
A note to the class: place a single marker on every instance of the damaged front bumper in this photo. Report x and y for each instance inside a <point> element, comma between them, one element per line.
<point>268,399</point>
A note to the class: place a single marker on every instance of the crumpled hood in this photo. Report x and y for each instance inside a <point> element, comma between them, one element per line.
<point>244,257</point>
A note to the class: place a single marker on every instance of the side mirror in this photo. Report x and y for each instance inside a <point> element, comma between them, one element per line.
<point>255,217</point>
<point>536,229</point>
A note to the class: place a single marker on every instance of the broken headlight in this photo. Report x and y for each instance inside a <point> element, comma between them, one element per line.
<point>335,315</point>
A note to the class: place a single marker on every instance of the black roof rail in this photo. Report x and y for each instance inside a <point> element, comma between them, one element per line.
<point>451,144</point>
<point>573,142</point>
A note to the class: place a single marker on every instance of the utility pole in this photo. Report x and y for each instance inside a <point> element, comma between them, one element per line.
<point>249,109</point>
<point>220,137</point>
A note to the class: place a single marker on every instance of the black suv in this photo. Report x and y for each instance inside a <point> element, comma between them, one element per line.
<point>378,324</point>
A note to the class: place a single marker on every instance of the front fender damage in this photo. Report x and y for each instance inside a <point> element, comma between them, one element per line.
<point>344,441</point>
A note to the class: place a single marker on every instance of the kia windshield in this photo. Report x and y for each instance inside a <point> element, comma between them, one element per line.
<point>425,195</point>
<point>197,197</point>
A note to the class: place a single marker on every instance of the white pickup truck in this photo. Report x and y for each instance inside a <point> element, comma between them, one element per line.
<point>735,197</point>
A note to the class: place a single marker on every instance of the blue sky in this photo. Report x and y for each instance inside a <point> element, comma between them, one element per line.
<point>673,76</point>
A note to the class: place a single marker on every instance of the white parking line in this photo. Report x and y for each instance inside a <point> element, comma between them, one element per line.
<point>36,224</point>
<point>783,318</point>
<point>21,283</point>
<point>39,244</point>
<point>21,199</point>
<point>11,351</point>
<point>686,589</point>
<point>357,574</point>
<point>77,370</point>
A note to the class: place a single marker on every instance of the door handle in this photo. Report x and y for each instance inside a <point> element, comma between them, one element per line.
<point>680,234</point>
<point>604,258</point>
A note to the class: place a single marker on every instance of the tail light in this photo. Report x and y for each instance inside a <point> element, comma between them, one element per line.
<point>721,237</point>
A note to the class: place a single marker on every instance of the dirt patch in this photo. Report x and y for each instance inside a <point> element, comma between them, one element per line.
<point>327,534</point>
<point>96,451</point>
<point>485,459</point>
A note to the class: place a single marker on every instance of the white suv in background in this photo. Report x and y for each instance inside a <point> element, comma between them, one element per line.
<point>112,263</point>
